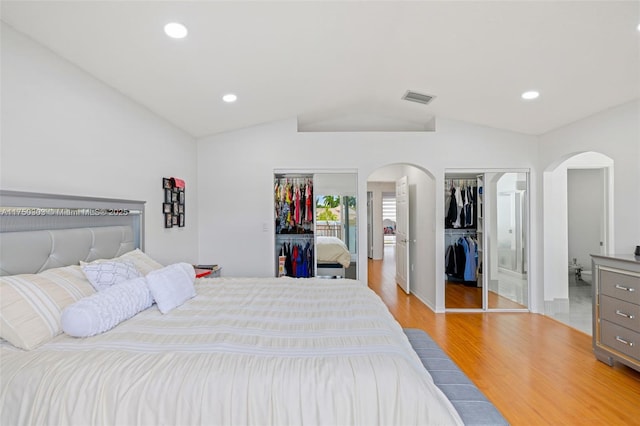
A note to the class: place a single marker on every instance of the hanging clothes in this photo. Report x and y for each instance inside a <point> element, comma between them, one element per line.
<point>450,260</point>
<point>471,256</point>
<point>287,262</point>
<point>460,204</point>
<point>308,203</point>
<point>461,259</point>
<point>459,207</point>
<point>293,201</point>
<point>452,212</point>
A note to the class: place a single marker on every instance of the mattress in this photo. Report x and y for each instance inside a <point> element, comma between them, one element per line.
<point>243,351</point>
<point>332,250</point>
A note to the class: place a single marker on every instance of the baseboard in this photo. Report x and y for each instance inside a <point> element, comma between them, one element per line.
<point>556,306</point>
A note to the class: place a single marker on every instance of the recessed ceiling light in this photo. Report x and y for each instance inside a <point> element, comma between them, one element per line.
<point>638,27</point>
<point>531,94</point>
<point>175,30</point>
<point>230,97</point>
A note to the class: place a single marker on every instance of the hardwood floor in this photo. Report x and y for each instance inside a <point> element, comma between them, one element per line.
<point>537,371</point>
<point>459,296</point>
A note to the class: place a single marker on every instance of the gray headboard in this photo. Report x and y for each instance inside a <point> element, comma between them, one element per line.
<point>42,231</point>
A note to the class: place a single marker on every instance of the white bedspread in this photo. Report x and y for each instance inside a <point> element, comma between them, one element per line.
<point>332,250</point>
<point>243,351</point>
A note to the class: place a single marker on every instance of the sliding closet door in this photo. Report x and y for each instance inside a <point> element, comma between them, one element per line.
<point>294,225</point>
<point>486,248</point>
<point>337,217</point>
<point>507,202</point>
<point>463,241</point>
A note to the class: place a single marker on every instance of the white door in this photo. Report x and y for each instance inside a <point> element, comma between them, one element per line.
<point>402,233</point>
<point>370,225</point>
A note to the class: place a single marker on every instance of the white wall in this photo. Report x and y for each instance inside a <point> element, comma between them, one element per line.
<point>65,132</point>
<point>422,236</point>
<point>235,174</point>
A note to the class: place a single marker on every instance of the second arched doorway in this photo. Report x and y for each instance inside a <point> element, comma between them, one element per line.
<point>421,224</point>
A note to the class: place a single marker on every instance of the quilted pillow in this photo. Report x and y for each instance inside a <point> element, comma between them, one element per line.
<point>172,285</point>
<point>105,309</point>
<point>31,304</point>
<point>103,275</point>
<point>140,259</point>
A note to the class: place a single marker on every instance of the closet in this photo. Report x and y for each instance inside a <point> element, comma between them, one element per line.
<point>315,216</point>
<point>294,225</point>
<point>463,262</point>
<point>485,239</point>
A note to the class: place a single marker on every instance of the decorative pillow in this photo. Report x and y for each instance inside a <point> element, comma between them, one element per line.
<point>143,263</point>
<point>105,309</point>
<point>172,285</point>
<point>31,304</point>
<point>103,275</point>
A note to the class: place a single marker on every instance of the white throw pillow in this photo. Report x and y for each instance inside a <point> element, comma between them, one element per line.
<point>141,261</point>
<point>103,275</point>
<point>31,304</point>
<point>105,309</point>
<point>172,285</point>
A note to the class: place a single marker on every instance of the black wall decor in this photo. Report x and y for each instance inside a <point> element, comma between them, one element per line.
<point>173,206</point>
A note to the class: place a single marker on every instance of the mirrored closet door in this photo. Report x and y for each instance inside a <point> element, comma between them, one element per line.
<point>336,224</point>
<point>316,224</point>
<point>507,276</point>
<point>486,230</point>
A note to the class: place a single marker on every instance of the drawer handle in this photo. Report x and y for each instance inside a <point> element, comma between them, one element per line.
<point>622,314</point>
<point>626,342</point>
<point>621,287</point>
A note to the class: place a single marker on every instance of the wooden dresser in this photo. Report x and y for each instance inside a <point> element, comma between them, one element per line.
<point>616,309</point>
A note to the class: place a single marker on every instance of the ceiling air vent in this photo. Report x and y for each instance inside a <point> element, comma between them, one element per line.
<point>417,97</point>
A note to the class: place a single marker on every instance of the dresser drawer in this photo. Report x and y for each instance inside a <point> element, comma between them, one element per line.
<point>620,285</point>
<point>620,312</point>
<point>620,338</point>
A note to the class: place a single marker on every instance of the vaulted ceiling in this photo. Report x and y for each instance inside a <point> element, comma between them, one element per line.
<point>345,65</point>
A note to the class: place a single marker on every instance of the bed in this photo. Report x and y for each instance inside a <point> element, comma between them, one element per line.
<point>333,257</point>
<point>236,351</point>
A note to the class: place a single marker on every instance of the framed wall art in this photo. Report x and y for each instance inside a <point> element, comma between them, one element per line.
<point>173,203</point>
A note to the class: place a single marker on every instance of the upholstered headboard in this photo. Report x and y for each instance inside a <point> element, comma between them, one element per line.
<point>57,230</point>
<point>34,251</point>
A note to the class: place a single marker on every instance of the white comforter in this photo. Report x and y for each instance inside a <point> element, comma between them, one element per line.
<point>243,351</point>
<point>332,250</point>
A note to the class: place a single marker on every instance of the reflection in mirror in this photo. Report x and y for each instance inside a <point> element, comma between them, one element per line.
<point>508,279</point>
<point>336,225</point>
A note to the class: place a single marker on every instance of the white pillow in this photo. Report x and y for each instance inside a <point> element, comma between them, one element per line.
<point>172,285</point>
<point>140,259</point>
<point>103,275</point>
<point>105,309</point>
<point>31,304</point>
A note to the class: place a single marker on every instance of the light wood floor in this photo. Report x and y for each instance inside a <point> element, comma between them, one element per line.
<point>537,371</point>
<point>460,296</point>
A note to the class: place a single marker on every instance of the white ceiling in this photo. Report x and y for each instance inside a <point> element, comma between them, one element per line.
<point>345,65</point>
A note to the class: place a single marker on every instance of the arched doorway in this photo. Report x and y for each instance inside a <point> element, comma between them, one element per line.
<point>421,224</point>
<point>578,210</point>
